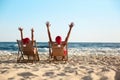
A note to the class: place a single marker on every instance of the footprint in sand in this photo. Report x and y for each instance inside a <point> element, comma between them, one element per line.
<point>27,75</point>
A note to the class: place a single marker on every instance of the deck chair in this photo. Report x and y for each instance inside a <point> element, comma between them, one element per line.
<point>27,54</point>
<point>58,52</point>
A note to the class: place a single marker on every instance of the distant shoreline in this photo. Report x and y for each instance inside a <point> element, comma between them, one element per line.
<point>68,42</point>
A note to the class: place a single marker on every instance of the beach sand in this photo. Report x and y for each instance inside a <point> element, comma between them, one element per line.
<point>78,67</point>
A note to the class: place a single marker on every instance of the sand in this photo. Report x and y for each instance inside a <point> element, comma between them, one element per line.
<point>89,67</point>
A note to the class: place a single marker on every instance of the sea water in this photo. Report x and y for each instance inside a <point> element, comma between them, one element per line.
<point>73,47</point>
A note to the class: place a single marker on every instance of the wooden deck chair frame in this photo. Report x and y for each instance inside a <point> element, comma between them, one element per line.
<point>22,52</point>
<point>56,52</point>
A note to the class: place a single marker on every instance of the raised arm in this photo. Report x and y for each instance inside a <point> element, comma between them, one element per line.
<point>21,32</point>
<point>70,28</point>
<point>32,35</point>
<point>49,35</point>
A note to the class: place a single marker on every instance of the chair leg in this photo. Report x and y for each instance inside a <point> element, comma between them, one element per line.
<point>34,58</point>
<point>38,57</point>
<point>28,58</point>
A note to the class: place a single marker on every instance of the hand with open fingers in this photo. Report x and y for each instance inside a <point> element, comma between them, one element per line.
<point>71,25</point>
<point>20,28</point>
<point>47,24</point>
<point>32,30</point>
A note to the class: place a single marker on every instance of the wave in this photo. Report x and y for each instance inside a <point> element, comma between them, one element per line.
<point>5,53</point>
<point>78,48</point>
<point>83,51</point>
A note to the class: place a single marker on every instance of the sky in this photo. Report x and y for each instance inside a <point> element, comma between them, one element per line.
<point>95,20</point>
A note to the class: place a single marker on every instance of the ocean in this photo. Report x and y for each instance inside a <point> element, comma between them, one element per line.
<point>73,47</point>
